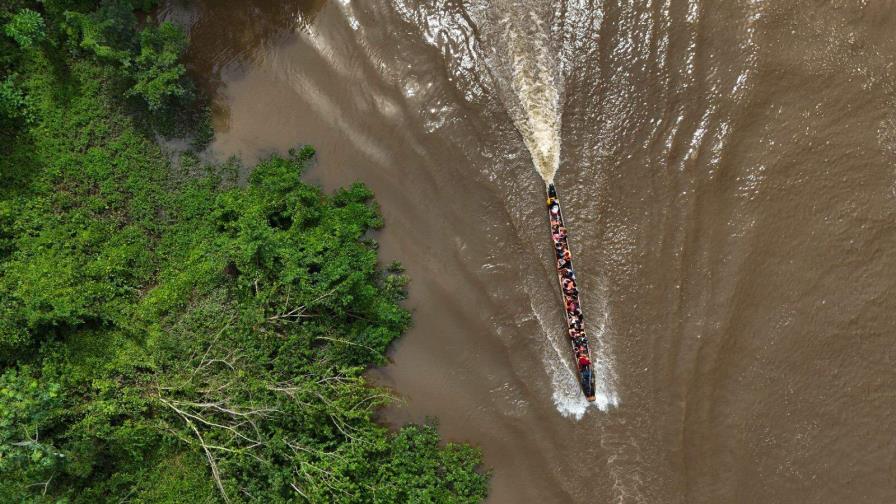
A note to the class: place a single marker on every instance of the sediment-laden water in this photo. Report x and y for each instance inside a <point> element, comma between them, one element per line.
<point>728,172</point>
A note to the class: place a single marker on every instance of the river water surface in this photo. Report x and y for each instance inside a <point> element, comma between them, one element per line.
<point>728,172</point>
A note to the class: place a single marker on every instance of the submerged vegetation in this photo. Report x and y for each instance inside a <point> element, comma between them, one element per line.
<point>165,334</point>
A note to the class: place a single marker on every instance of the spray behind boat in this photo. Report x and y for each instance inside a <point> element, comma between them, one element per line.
<point>525,59</point>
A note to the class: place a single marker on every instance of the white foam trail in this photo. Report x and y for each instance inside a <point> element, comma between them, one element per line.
<point>539,98</point>
<point>535,101</point>
<point>506,44</point>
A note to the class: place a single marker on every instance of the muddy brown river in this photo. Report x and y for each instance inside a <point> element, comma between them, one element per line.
<point>728,172</point>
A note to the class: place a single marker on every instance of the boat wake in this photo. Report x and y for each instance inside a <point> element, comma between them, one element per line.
<point>530,85</point>
<point>515,51</point>
<point>528,80</point>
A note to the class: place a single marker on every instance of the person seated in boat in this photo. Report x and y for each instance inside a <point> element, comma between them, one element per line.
<point>563,263</point>
<point>566,254</point>
<point>559,249</point>
<point>571,305</point>
<point>584,361</point>
<point>568,273</point>
<point>586,378</point>
<point>561,232</point>
<point>555,209</point>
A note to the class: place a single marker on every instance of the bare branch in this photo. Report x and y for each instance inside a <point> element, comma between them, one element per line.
<point>299,311</point>
<point>208,454</point>
<point>202,420</point>
<point>347,342</point>
<point>294,487</point>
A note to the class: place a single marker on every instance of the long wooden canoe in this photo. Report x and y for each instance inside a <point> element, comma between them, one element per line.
<point>575,319</point>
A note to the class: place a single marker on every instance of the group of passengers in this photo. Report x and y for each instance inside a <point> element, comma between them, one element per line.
<point>568,283</point>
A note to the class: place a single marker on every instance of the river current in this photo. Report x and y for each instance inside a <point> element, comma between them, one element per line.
<point>728,173</point>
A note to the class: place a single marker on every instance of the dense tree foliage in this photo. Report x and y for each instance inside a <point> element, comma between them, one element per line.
<point>26,27</point>
<point>165,334</point>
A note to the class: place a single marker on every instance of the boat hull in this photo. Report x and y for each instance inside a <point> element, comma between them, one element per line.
<point>575,319</point>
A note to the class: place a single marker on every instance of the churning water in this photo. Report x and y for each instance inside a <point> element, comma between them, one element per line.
<point>525,61</point>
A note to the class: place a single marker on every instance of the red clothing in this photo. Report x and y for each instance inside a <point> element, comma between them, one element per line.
<point>584,360</point>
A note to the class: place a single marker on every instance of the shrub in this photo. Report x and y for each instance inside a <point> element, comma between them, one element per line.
<point>27,28</point>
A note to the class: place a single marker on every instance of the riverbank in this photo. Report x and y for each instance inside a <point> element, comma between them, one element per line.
<point>168,334</point>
